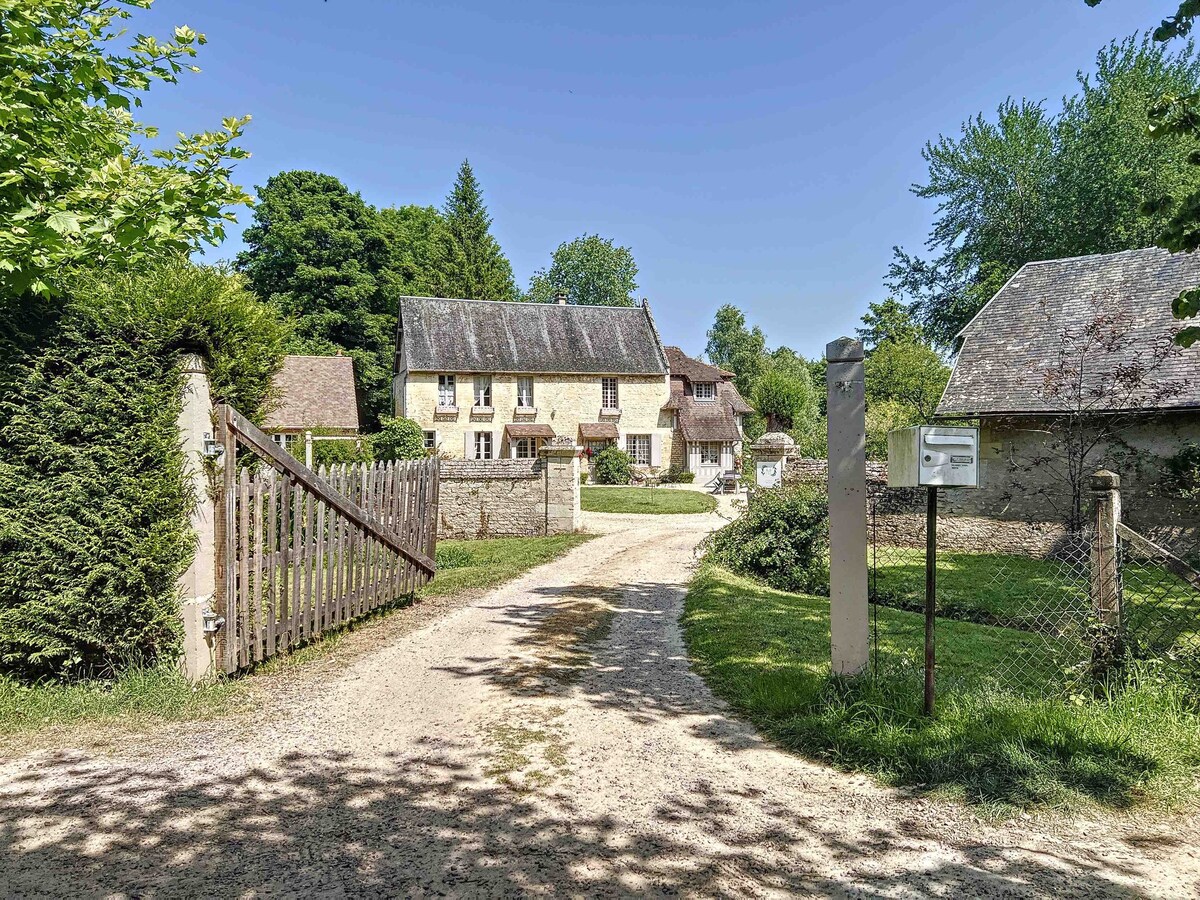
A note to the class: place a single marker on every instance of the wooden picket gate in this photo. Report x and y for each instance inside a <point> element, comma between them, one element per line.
<point>301,552</point>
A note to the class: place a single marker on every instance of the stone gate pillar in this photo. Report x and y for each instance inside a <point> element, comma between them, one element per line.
<point>198,583</point>
<point>560,457</point>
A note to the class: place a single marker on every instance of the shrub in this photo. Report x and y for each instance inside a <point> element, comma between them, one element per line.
<point>399,438</point>
<point>93,507</point>
<point>1181,473</point>
<point>612,466</point>
<point>335,453</point>
<point>583,477</point>
<point>782,539</point>
<point>678,475</point>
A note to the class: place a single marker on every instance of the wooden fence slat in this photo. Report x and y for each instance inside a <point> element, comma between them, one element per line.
<point>256,541</point>
<point>297,561</point>
<point>310,557</point>
<point>272,565</point>
<point>243,586</point>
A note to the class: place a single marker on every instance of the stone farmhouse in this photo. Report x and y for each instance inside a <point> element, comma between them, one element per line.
<point>495,380</point>
<point>1080,346</point>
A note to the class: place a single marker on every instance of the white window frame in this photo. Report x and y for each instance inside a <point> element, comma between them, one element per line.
<point>484,445</point>
<point>525,394</point>
<point>712,448</point>
<point>429,439</point>
<point>610,394</point>
<point>282,440</point>
<point>483,391</point>
<point>708,394</point>
<point>525,448</point>
<point>635,444</point>
<point>447,390</point>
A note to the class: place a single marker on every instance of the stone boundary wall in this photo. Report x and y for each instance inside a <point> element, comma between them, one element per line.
<point>508,497</point>
<point>899,519</point>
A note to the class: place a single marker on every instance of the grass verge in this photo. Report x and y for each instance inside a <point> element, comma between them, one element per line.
<point>767,653</point>
<point>645,500</point>
<point>139,698</point>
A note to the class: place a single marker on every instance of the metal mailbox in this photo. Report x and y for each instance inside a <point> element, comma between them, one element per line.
<point>933,456</point>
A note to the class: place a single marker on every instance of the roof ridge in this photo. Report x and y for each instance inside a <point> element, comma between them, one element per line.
<point>526,303</point>
<point>1059,259</point>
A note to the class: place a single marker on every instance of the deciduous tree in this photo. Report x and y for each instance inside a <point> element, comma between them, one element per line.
<point>1027,185</point>
<point>591,271</point>
<point>318,253</point>
<point>75,188</point>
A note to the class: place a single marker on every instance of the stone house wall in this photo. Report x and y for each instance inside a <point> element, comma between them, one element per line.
<point>561,401</point>
<point>508,497</point>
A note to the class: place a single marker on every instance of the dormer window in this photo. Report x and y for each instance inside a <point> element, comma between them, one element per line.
<point>704,390</point>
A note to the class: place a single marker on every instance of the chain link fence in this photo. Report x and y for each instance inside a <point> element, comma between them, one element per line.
<point>1008,621</point>
<point>1160,600</point>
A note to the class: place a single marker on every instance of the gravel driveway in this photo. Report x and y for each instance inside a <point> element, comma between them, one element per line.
<point>548,737</point>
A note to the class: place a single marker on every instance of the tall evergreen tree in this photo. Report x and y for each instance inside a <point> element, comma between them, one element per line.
<point>476,268</point>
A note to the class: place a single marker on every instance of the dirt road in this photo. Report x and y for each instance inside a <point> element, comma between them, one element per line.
<point>548,737</point>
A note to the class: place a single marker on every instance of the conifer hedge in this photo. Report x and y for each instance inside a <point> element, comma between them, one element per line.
<point>93,506</point>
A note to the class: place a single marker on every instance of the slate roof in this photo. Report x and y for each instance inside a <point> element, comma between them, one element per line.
<point>1012,343</point>
<point>704,420</point>
<point>440,335</point>
<point>314,392</point>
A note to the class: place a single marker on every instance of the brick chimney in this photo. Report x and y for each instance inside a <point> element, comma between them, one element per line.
<point>560,297</point>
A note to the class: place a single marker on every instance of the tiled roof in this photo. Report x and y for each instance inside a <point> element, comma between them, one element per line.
<point>438,335</point>
<point>693,369</point>
<point>314,392</point>
<point>597,431</point>
<point>1017,338</point>
<point>531,430</point>
<point>704,420</point>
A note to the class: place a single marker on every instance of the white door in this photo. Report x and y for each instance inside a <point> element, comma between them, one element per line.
<point>705,457</point>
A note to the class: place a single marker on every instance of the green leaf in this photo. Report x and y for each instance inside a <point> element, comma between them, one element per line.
<point>64,222</point>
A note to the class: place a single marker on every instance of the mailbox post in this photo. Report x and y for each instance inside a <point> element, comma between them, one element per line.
<point>932,457</point>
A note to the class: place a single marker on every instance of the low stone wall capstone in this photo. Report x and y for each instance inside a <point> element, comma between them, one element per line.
<point>508,497</point>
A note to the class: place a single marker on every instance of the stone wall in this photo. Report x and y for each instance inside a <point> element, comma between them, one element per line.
<point>508,497</point>
<point>899,516</point>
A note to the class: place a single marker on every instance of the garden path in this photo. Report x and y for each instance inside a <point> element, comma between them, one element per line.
<point>547,737</point>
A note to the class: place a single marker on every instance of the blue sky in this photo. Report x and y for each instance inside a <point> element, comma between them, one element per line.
<point>757,153</point>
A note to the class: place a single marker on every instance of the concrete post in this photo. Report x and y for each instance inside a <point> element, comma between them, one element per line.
<point>848,619</point>
<point>1106,575</point>
<point>198,584</point>
<point>560,457</point>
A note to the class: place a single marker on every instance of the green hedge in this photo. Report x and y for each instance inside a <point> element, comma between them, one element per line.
<point>93,506</point>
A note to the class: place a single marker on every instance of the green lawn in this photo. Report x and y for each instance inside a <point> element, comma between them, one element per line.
<point>644,500</point>
<point>1162,612</point>
<point>143,697</point>
<point>767,653</point>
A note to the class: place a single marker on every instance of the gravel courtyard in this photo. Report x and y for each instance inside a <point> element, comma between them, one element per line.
<point>548,737</point>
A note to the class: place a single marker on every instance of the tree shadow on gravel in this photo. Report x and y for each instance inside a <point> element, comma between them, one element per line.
<point>426,825</point>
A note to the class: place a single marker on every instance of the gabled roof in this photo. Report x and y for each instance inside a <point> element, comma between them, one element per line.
<point>440,335</point>
<point>693,369</point>
<point>1017,338</point>
<point>314,392</point>
<point>704,420</point>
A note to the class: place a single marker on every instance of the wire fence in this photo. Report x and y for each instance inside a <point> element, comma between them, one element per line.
<point>1025,621</point>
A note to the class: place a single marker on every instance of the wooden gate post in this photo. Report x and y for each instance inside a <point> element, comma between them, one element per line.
<point>198,584</point>
<point>1106,576</point>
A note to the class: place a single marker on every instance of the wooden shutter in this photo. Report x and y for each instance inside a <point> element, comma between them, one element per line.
<point>656,450</point>
<point>469,446</point>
